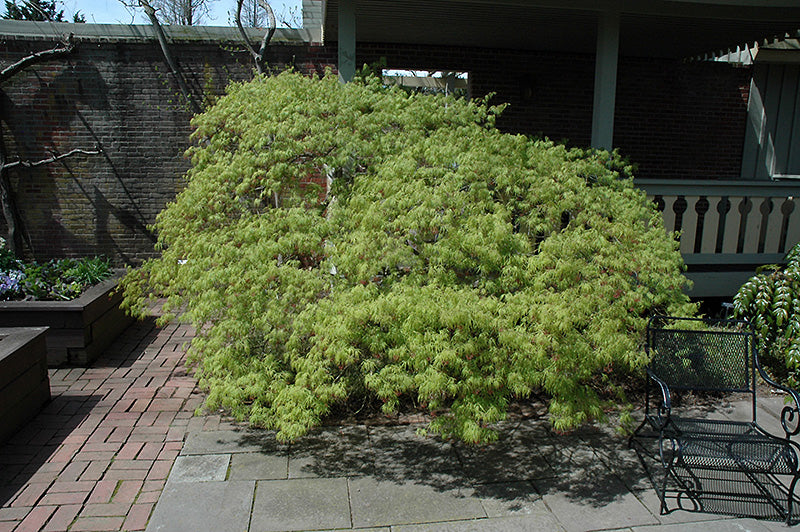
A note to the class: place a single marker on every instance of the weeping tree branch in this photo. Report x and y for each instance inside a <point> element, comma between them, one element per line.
<point>258,57</point>
<point>173,66</point>
<point>66,47</point>
<point>54,158</point>
<point>17,236</point>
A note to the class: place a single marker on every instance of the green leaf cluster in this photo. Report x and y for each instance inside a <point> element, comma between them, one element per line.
<point>771,302</point>
<point>355,241</point>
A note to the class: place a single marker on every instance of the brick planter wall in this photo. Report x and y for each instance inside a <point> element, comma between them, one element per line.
<point>78,330</point>
<point>24,384</point>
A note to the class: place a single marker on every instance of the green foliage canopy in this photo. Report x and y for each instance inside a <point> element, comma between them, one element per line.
<point>450,265</point>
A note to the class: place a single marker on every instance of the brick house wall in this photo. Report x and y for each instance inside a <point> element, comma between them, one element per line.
<point>676,120</point>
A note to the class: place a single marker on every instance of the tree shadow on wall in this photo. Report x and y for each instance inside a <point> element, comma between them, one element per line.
<point>59,202</point>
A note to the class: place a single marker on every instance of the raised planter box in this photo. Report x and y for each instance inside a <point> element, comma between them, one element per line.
<point>78,330</point>
<point>24,384</point>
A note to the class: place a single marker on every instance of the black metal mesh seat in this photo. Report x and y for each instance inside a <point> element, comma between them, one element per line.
<point>719,465</point>
<point>718,444</point>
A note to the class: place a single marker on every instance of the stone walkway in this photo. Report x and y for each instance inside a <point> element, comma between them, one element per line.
<point>119,448</point>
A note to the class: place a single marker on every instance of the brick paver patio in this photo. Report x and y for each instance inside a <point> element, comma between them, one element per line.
<point>97,457</point>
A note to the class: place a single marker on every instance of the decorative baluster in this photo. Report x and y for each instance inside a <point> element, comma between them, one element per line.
<point>749,228</point>
<point>791,223</point>
<point>772,237</point>
<point>723,208</point>
<point>706,228</point>
<point>689,229</point>
<point>733,225</point>
<point>669,213</point>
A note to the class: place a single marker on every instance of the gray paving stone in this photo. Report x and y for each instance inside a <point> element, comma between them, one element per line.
<point>230,441</point>
<point>258,466</point>
<point>400,454</point>
<point>503,462</point>
<point>382,503</point>
<point>331,452</point>
<point>626,463</point>
<point>200,468</point>
<point>725,525</point>
<point>538,523</point>
<point>301,504</point>
<point>371,529</point>
<point>194,506</point>
<point>651,501</point>
<point>510,498</point>
<point>582,502</point>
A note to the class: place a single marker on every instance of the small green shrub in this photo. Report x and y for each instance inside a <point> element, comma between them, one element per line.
<point>450,266</point>
<point>771,302</point>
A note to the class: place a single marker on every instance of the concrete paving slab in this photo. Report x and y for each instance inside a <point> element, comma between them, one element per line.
<point>371,529</point>
<point>382,503</point>
<point>200,468</point>
<point>258,466</point>
<point>581,502</point>
<point>510,498</point>
<point>400,454</point>
<point>503,462</point>
<point>626,463</point>
<point>193,506</point>
<point>728,525</point>
<point>538,523</point>
<point>301,504</point>
<point>649,498</point>
<point>231,441</point>
<point>332,452</point>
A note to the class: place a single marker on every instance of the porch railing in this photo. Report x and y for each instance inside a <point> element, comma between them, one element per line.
<point>728,227</point>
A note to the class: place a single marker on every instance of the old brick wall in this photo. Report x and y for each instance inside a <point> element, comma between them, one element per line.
<point>120,97</point>
<point>676,120</point>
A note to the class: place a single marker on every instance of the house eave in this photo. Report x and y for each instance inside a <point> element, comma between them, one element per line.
<point>651,28</point>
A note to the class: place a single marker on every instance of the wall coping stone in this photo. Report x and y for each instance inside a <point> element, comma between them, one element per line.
<point>12,338</point>
<point>26,30</point>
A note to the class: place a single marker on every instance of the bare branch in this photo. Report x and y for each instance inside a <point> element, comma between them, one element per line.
<point>55,157</point>
<point>272,26</point>
<point>173,66</point>
<point>65,48</point>
<point>258,57</point>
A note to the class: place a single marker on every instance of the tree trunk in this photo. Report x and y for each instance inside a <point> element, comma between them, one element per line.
<point>14,239</point>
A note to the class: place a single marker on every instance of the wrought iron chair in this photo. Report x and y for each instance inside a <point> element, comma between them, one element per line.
<point>716,465</point>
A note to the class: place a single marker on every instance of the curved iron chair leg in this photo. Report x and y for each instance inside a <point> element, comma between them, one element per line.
<point>791,500</point>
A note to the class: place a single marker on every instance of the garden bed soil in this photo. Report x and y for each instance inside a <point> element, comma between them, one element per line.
<point>78,330</point>
<point>24,384</point>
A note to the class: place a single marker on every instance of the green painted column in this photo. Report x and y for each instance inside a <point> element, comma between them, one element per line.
<point>347,40</point>
<point>605,79</point>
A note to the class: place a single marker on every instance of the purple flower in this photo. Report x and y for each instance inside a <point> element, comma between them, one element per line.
<point>10,283</point>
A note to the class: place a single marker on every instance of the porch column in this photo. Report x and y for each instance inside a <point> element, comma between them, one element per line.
<point>347,40</point>
<point>605,79</point>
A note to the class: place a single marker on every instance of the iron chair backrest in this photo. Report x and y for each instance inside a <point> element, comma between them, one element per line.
<point>702,355</point>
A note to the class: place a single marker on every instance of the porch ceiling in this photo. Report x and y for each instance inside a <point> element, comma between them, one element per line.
<point>651,28</point>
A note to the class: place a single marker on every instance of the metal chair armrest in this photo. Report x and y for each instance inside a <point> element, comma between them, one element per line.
<point>665,405</point>
<point>790,415</point>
